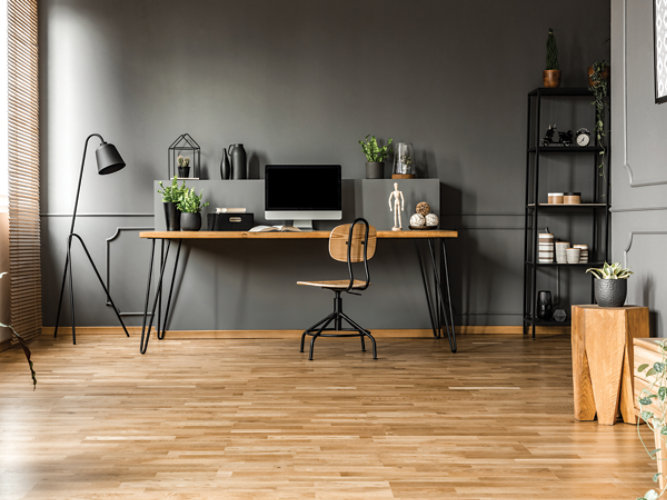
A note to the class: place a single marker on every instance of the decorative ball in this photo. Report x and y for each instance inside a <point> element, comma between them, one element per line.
<point>432,220</point>
<point>417,220</point>
<point>423,208</point>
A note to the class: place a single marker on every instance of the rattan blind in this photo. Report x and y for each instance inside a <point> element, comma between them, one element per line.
<point>23,164</point>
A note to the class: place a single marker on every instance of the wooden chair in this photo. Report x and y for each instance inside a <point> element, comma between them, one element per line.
<point>352,243</point>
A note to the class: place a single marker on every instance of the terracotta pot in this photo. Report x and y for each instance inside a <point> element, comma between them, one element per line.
<point>604,75</point>
<point>551,78</point>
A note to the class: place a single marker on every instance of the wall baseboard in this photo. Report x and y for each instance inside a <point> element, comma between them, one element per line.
<point>290,334</point>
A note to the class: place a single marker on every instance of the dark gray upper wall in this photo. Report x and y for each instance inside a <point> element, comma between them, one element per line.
<point>639,176</point>
<point>302,81</point>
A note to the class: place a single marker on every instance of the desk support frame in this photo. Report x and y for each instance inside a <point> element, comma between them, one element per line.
<point>436,287</point>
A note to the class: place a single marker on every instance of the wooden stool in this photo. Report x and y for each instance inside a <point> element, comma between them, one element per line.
<point>602,354</point>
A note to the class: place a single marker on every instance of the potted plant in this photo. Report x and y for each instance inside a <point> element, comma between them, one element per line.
<point>183,166</point>
<point>551,74</point>
<point>170,197</point>
<point>375,156</point>
<point>190,206</point>
<point>653,410</point>
<point>611,284</point>
<point>598,83</point>
<point>23,345</point>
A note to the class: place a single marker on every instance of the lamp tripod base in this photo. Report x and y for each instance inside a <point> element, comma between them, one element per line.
<point>68,272</point>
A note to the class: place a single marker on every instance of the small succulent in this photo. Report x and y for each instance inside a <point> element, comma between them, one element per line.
<point>610,272</point>
<point>183,161</point>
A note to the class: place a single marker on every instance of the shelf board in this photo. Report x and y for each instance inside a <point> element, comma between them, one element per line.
<point>555,264</point>
<point>562,91</point>
<point>546,322</point>
<point>562,206</point>
<point>565,149</point>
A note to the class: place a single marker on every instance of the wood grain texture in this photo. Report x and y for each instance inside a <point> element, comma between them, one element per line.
<point>304,235</point>
<point>338,242</point>
<point>607,335</point>
<point>250,419</point>
<point>584,403</point>
<point>332,283</point>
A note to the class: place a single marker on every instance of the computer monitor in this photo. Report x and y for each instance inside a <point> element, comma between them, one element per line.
<point>301,193</point>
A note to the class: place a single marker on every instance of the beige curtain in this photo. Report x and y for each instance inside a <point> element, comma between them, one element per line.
<point>23,152</point>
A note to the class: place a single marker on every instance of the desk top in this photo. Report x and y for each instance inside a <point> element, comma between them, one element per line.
<point>288,235</point>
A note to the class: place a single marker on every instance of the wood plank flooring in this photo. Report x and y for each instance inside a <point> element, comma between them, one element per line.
<point>253,419</point>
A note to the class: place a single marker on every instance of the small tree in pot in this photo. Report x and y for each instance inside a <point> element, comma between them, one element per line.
<point>190,206</point>
<point>170,196</point>
<point>611,284</point>
<point>375,156</point>
<point>551,74</point>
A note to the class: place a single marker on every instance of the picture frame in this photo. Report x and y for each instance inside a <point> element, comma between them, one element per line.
<point>660,49</point>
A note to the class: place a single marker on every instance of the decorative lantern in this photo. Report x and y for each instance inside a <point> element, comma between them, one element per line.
<point>184,146</point>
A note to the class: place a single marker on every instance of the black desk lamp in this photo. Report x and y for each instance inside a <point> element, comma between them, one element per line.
<point>108,162</point>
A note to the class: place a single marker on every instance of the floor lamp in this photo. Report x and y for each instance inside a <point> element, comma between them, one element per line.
<point>108,162</point>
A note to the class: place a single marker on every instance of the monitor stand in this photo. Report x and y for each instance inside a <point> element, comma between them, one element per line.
<point>303,224</point>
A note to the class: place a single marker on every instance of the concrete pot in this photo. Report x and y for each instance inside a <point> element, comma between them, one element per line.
<point>610,293</point>
<point>374,170</point>
<point>190,221</point>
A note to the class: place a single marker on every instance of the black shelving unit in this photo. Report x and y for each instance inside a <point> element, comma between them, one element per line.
<point>595,211</point>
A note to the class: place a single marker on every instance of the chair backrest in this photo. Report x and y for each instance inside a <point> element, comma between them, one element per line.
<point>340,238</point>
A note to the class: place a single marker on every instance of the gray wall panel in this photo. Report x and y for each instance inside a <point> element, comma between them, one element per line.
<point>301,81</point>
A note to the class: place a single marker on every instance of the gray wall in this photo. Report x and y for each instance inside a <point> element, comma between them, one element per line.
<point>639,176</point>
<point>300,81</point>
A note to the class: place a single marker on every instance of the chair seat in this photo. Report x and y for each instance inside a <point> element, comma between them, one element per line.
<point>335,284</point>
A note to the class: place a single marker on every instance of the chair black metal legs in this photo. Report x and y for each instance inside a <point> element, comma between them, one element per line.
<point>320,328</point>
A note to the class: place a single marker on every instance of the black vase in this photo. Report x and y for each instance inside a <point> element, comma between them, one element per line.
<point>172,216</point>
<point>190,221</point>
<point>184,172</point>
<point>225,169</point>
<point>544,304</point>
<point>610,293</point>
<point>238,161</point>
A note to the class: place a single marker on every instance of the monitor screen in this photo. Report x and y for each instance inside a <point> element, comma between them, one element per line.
<point>303,187</point>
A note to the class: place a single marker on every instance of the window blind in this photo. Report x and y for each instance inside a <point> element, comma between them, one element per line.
<point>23,166</point>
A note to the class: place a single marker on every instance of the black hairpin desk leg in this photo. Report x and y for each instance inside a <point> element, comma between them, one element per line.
<point>160,334</point>
<point>438,299</point>
<point>147,323</point>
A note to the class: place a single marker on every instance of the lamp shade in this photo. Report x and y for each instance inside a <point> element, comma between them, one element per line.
<point>108,159</point>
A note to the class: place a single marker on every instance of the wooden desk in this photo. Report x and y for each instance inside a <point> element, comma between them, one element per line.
<point>438,296</point>
<point>602,360</point>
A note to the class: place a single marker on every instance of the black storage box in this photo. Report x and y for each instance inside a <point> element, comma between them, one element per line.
<point>230,222</point>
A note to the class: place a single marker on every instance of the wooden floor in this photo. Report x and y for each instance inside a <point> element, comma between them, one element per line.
<point>254,419</point>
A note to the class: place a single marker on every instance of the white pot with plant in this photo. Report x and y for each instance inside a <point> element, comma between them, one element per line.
<point>190,206</point>
<point>611,284</point>
<point>376,155</point>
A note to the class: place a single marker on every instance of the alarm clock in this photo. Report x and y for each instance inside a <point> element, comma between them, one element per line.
<point>583,137</point>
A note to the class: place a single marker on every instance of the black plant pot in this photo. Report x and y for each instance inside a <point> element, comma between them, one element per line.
<point>190,221</point>
<point>172,216</point>
<point>610,293</point>
<point>374,170</point>
<point>184,172</point>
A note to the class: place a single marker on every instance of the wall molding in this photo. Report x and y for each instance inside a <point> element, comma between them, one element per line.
<point>636,209</point>
<point>97,214</point>
<point>626,163</point>
<point>631,239</point>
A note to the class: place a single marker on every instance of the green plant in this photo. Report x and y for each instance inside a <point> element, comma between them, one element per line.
<point>21,341</point>
<point>172,193</point>
<point>654,398</point>
<point>373,151</point>
<point>183,161</point>
<point>599,85</point>
<point>552,51</point>
<point>610,272</point>
<point>190,202</point>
